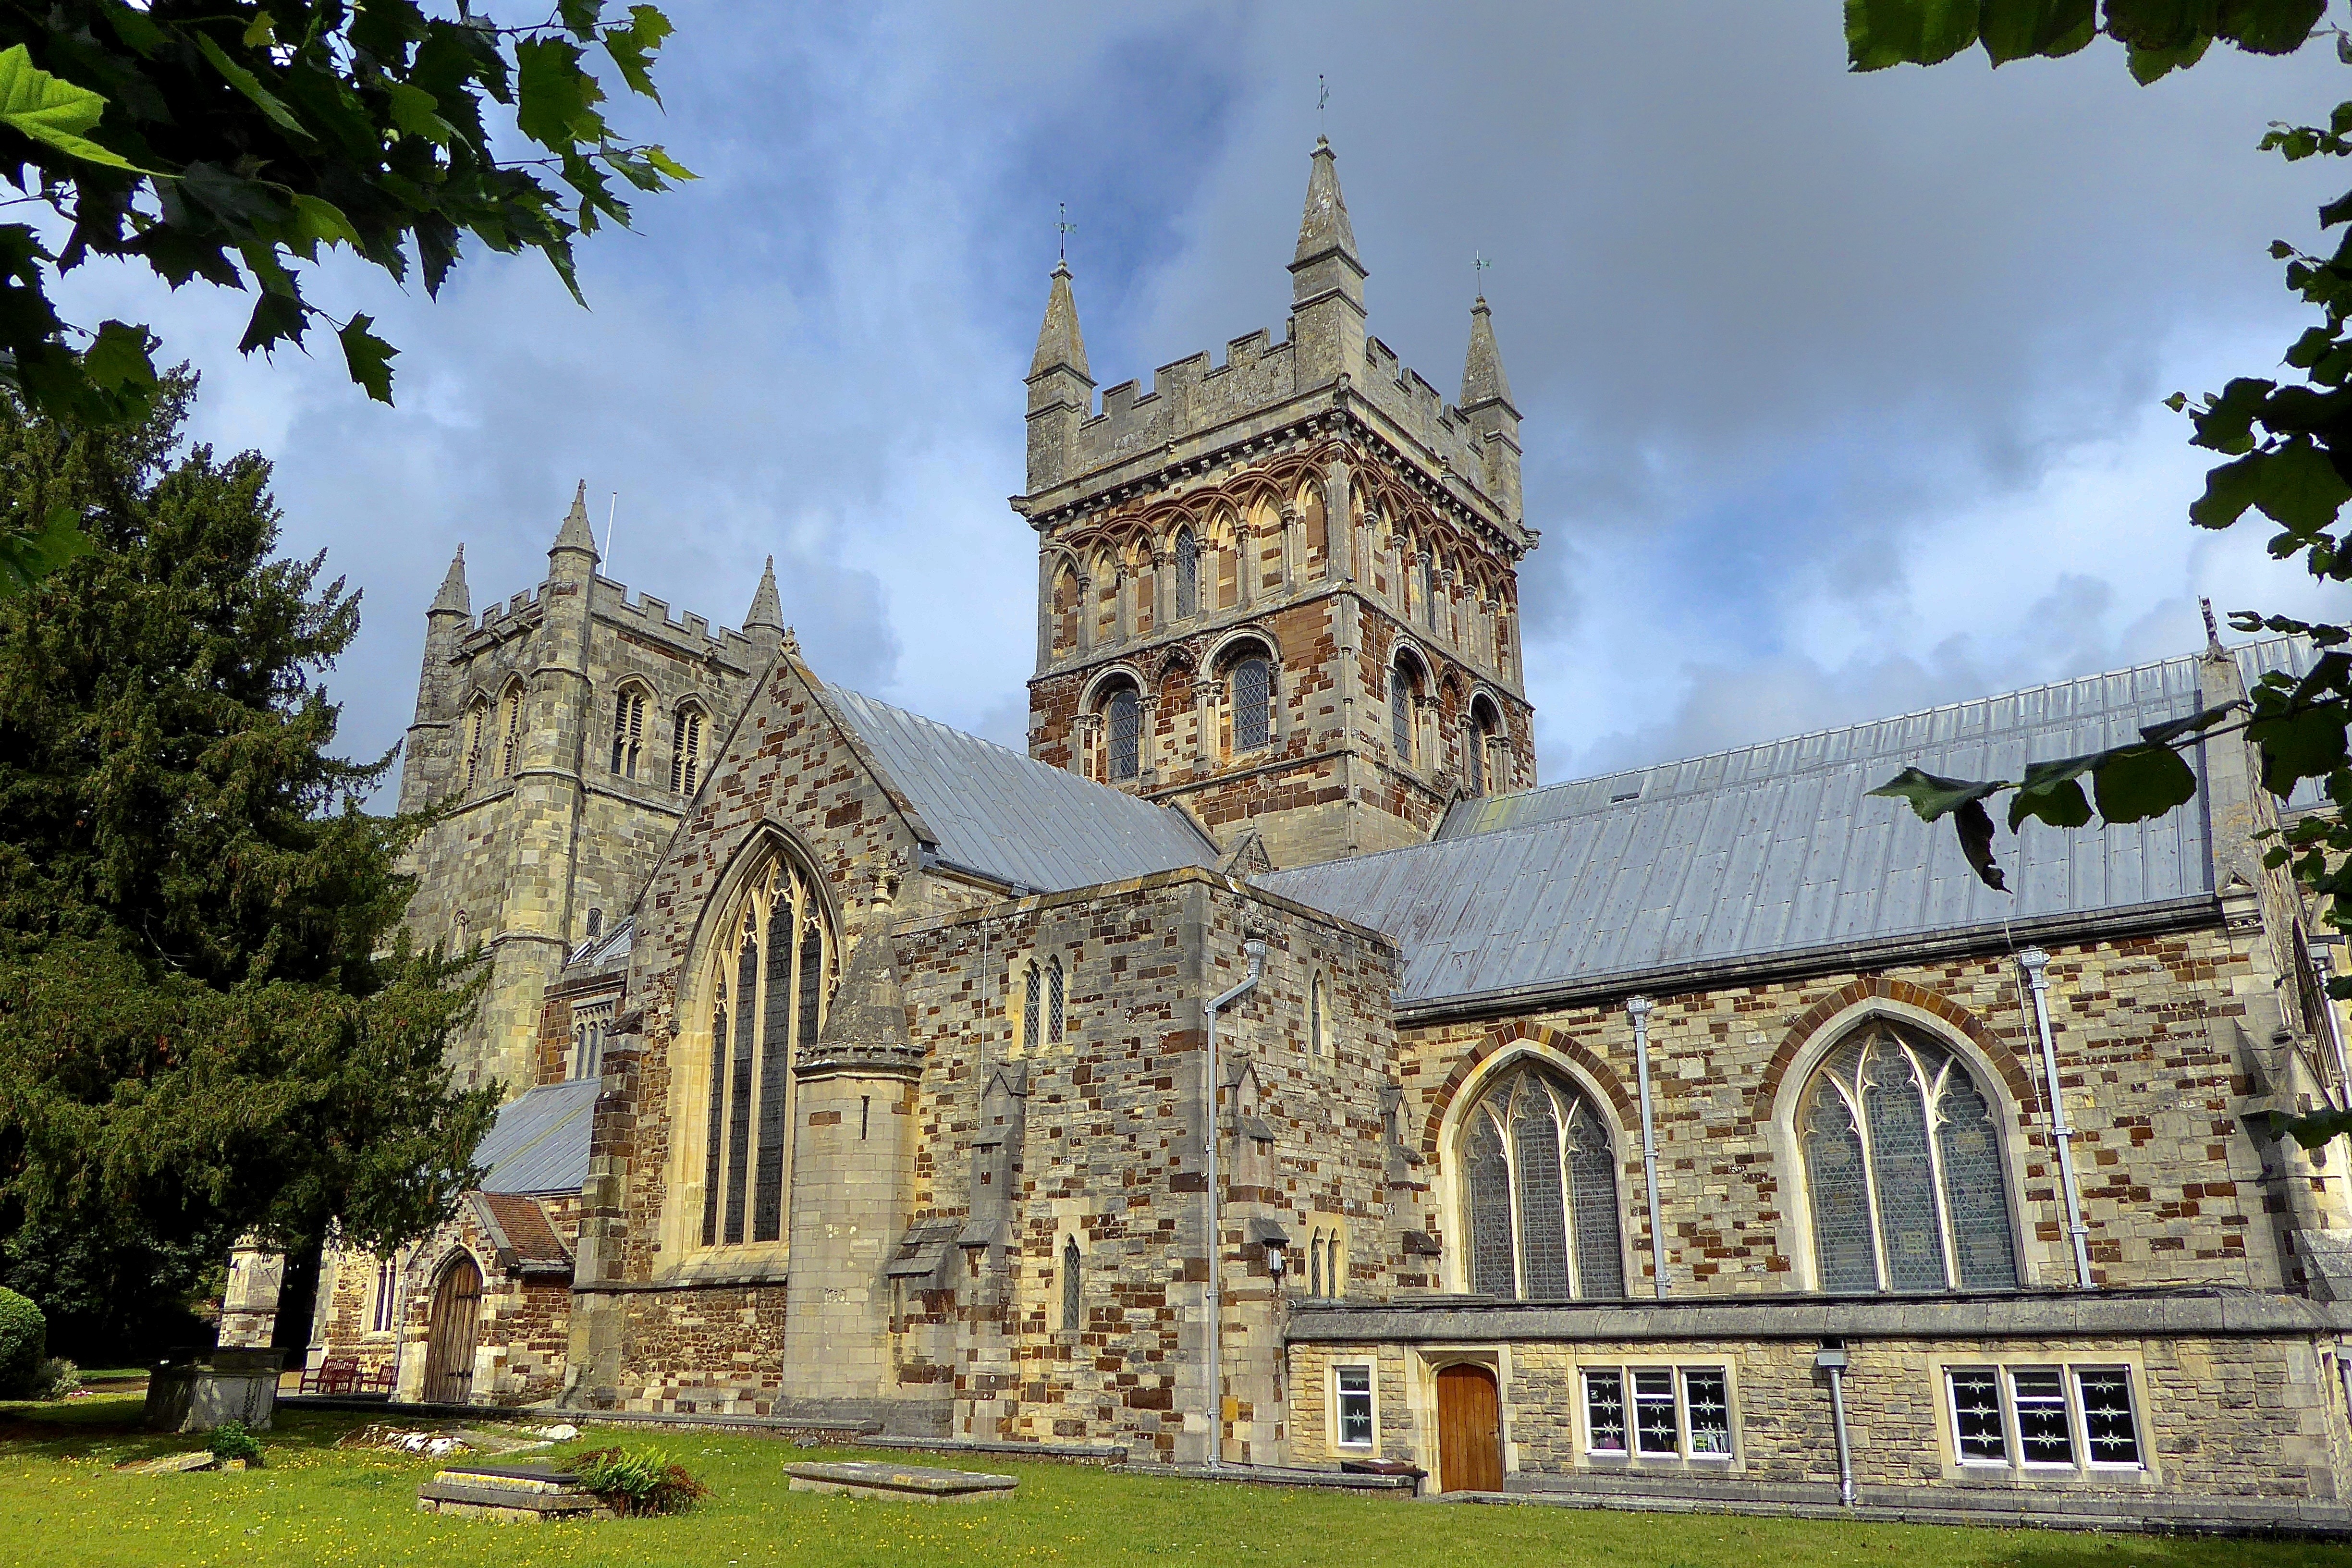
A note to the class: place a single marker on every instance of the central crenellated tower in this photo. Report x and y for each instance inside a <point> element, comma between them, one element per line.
<point>1282,591</point>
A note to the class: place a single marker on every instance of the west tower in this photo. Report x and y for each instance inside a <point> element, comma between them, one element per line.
<point>1282,591</point>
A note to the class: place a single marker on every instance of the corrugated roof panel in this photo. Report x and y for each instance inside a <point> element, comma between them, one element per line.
<point>1774,847</point>
<point>1011,817</point>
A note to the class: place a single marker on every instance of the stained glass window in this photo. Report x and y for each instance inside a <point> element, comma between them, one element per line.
<point>1542,1187</point>
<point>1904,1170</point>
<point>1125,723</point>
<point>1253,704</point>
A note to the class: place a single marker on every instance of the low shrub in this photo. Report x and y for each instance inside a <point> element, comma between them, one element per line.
<point>56,1378</point>
<point>636,1480</point>
<point>24,1346</point>
<point>230,1440</point>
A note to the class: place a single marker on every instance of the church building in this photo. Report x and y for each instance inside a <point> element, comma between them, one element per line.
<point>1263,1069</point>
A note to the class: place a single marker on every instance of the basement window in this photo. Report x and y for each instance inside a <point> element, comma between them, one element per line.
<point>1665,1412</point>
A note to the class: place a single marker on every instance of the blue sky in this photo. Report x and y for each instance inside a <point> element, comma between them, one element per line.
<point>1841,393</point>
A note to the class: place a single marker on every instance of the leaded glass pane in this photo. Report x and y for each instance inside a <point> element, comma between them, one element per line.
<point>812,984</point>
<point>1592,1199</point>
<point>1053,1002</point>
<point>1073,1306</point>
<point>1252,698</point>
<point>1400,715</point>
<point>1473,756</point>
<point>1488,1176</point>
<point>1315,1017</point>
<point>1543,1217</point>
<point>738,1107</point>
<point>2109,1429</point>
<point>1188,575</point>
<point>2040,1397</point>
<point>1125,723</point>
<point>1840,1191</point>
<point>713,1126</point>
<point>1604,1412</point>
<point>1032,990</point>
<point>1974,1191</point>
<point>1900,1171</point>
<point>775,1073</point>
<point>1976,1415</point>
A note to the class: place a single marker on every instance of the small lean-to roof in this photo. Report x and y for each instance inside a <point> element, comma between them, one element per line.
<point>539,1141</point>
<point>1009,817</point>
<point>1770,851</point>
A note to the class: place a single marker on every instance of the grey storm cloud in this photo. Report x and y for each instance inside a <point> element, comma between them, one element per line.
<point>1841,391</point>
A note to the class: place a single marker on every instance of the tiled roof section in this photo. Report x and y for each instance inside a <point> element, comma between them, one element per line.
<point>1012,818</point>
<point>1768,850</point>
<point>539,1141</point>
<point>528,1242</point>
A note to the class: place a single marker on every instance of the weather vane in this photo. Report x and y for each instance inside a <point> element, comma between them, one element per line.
<point>1478,264</point>
<point>1322,98</point>
<point>1066,228</point>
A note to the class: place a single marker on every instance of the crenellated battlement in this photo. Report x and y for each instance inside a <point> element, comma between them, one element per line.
<point>688,633</point>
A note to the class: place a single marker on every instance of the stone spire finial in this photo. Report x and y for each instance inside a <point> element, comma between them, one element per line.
<point>865,1028</point>
<point>1059,344</point>
<point>575,533</point>
<point>1323,229</point>
<point>767,611</point>
<point>453,598</point>
<point>1483,380</point>
<point>2213,648</point>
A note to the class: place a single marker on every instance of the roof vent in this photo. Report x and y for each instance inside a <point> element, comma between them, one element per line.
<point>1622,795</point>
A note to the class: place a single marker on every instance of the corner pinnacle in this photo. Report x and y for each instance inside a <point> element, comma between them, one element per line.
<point>575,533</point>
<point>453,598</point>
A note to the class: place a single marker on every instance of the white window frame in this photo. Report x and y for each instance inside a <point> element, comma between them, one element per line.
<point>2070,1382</point>
<point>1677,1374</point>
<point>1370,1393</point>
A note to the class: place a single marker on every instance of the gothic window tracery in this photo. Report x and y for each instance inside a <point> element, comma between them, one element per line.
<point>771,981</point>
<point>1903,1167</point>
<point>510,746</point>
<point>1540,1179</point>
<point>478,727</point>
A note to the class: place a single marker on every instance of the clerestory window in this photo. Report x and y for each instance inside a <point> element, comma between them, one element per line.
<point>1400,712</point>
<point>1188,575</point>
<point>1541,1182</point>
<point>1904,1170</point>
<point>1253,704</point>
<point>1123,721</point>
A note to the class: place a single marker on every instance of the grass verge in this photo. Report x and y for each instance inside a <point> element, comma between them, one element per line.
<point>317,1504</point>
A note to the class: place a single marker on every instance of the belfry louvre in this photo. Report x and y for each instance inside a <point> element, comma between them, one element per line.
<point>1584,1137</point>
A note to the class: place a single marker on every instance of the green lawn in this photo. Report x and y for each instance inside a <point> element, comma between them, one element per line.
<point>61,1503</point>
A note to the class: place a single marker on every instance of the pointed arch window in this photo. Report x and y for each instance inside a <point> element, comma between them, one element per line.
<point>628,730</point>
<point>1033,1001</point>
<point>1315,1017</point>
<point>1904,1170</point>
<point>1073,1288</point>
<point>511,726</point>
<point>1054,1003</point>
<point>478,733</point>
<point>1542,1183</point>
<point>1188,575</point>
<point>770,985</point>
<point>686,751</point>
<point>1315,1266</point>
<point>1123,721</point>
<point>1477,738</point>
<point>1253,704</point>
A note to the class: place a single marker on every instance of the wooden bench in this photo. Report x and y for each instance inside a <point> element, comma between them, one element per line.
<point>344,1374</point>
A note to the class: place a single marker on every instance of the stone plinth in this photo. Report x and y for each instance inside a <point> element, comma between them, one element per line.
<point>909,1483</point>
<point>511,1494</point>
<point>197,1390</point>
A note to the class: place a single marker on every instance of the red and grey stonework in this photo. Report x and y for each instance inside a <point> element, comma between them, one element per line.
<point>950,1006</point>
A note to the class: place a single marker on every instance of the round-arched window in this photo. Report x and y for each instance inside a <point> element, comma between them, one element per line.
<point>1253,704</point>
<point>1904,1170</point>
<point>1123,725</point>
<point>1401,684</point>
<point>1540,1184</point>
<point>1188,575</point>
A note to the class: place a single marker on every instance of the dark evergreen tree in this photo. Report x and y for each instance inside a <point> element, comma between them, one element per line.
<point>210,1021</point>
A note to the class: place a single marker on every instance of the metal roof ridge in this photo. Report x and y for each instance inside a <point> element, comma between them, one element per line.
<point>1858,724</point>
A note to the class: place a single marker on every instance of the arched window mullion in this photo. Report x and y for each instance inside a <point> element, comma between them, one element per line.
<point>1931,1098</point>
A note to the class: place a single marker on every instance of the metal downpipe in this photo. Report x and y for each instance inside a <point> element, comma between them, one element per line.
<point>2036,961</point>
<point>1256,950</point>
<point>1638,1009</point>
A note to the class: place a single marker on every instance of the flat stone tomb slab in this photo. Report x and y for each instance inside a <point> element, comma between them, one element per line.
<point>519,1494</point>
<point>911,1483</point>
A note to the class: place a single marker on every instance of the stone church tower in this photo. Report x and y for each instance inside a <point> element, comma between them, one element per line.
<point>566,731</point>
<point>1282,592</point>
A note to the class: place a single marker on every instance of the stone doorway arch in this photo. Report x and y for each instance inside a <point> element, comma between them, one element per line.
<point>449,1335</point>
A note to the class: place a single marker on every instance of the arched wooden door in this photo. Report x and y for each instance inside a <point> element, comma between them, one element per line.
<point>1469,1430</point>
<point>449,1337</point>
